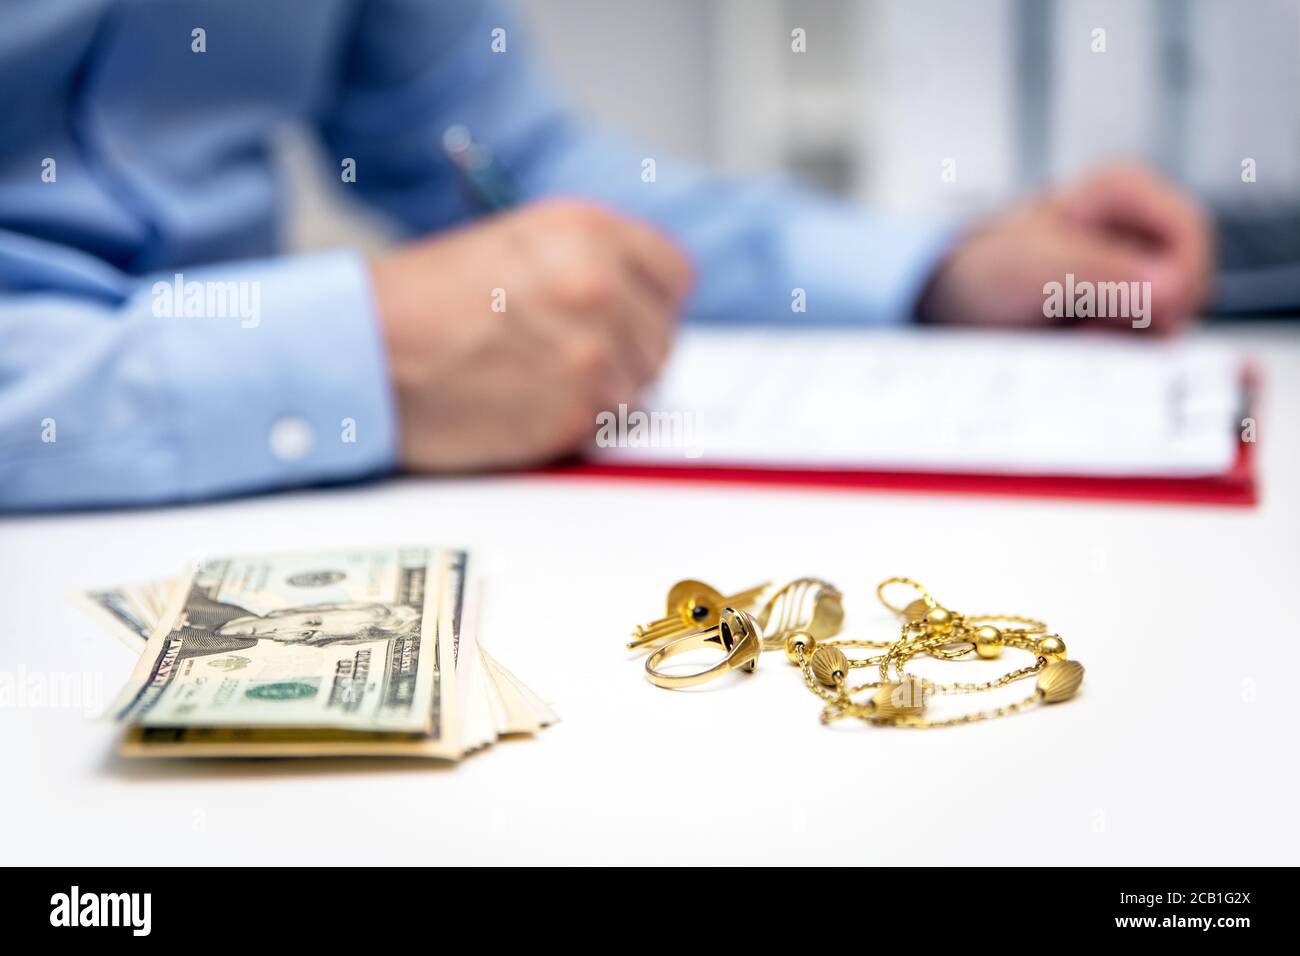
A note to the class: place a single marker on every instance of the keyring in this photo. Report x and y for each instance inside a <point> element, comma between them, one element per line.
<point>736,633</point>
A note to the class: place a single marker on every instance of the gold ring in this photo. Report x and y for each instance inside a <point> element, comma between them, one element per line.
<point>736,633</point>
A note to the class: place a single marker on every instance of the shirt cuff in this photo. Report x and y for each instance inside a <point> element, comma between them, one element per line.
<point>855,266</point>
<point>281,379</point>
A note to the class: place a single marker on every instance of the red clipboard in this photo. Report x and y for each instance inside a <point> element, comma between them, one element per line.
<point>1236,488</point>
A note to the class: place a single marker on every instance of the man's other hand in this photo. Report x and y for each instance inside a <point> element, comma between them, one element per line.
<point>1120,224</point>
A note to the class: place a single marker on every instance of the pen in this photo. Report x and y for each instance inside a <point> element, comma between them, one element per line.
<point>482,177</point>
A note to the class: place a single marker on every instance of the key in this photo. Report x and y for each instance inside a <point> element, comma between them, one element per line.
<point>692,605</point>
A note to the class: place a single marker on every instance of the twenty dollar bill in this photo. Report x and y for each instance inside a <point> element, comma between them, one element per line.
<point>343,640</point>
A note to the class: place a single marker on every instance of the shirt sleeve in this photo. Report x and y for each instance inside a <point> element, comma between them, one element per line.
<point>245,376</point>
<point>764,249</point>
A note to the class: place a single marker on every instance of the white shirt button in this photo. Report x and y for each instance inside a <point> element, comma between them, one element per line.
<point>291,439</point>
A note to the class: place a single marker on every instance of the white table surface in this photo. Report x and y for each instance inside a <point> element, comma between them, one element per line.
<point>1180,750</point>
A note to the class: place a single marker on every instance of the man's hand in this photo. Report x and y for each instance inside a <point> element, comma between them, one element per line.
<point>586,304</point>
<point>1121,224</point>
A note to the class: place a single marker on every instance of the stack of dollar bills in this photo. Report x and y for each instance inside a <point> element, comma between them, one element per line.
<point>369,652</point>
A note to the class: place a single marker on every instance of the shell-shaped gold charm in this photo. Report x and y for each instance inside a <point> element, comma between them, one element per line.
<point>917,609</point>
<point>829,666</point>
<point>903,699</point>
<point>1059,680</point>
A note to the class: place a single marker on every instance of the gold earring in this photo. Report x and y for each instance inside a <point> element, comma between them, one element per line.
<point>736,633</point>
<point>807,606</point>
<point>692,605</point>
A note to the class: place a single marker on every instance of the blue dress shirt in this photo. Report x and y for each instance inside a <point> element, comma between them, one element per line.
<point>135,167</point>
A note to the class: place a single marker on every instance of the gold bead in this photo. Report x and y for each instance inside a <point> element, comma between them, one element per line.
<point>940,620</point>
<point>830,666</point>
<point>799,645</point>
<point>1051,647</point>
<point>903,699</point>
<point>1059,680</point>
<point>988,641</point>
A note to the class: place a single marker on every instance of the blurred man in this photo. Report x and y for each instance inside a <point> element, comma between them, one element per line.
<point>156,345</point>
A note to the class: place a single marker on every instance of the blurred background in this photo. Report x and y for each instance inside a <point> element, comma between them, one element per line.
<point>1001,94</point>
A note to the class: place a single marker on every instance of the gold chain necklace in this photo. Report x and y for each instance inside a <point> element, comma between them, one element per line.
<point>899,698</point>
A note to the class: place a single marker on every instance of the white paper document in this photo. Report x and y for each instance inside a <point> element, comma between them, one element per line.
<point>1049,403</point>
